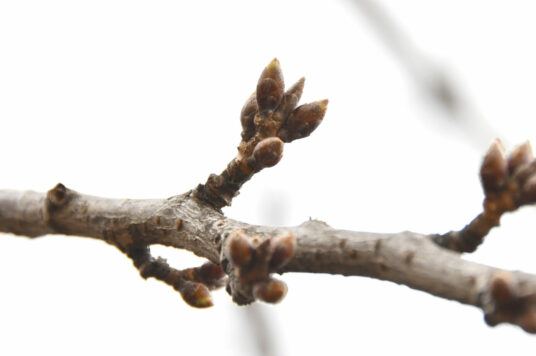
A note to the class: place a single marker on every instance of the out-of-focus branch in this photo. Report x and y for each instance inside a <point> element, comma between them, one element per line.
<point>430,78</point>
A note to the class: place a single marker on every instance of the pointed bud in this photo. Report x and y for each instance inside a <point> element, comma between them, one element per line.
<point>268,152</point>
<point>239,249</point>
<point>304,120</point>
<point>195,294</point>
<point>501,287</point>
<point>520,156</point>
<point>284,247</point>
<point>270,87</point>
<point>291,98</point>
<point>529,190</point>
<point>494,170</point>
<point>270,291</point>
<point>247,117</point>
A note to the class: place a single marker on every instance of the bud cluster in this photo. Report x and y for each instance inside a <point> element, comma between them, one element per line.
<point>193,284</point>
<point>270,117</point>
<point>253,260</point>
<point>508,181</point>
<point>505,303</point>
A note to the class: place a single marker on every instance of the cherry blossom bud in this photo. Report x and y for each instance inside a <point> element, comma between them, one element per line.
<point>247,117</point>
<point>284,247</point>
<point>494,170</point>
<point>270,291</point>
<point>501,287</point>
<point>519,157</point>
<point>268,152</point>
<point>195,294</point>
<point>303,121</point>
<point>291,98</point>
<point>239,249</point>
<point>270,87</point>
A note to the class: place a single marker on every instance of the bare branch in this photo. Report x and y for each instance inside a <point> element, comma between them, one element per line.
<point>405,258</point>
<point>249,255</point>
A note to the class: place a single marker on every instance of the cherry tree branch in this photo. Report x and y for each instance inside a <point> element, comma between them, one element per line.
<point>248,255</point>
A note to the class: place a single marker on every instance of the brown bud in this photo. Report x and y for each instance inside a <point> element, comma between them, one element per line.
<point>529,190</point>
<point>270,87</point>
<point>239,249</point>
<point>494,170</point>
<point>501,287</point>
<point>268,152</point>
<point>527,320</point>
<point>303,120</point>
<point>284,247</point>
<point>210,272</point>
<point>270,291</point>
<point>291,98</point>
<point>247,117</point>
<point>520,156</point>
<point>195,294</point>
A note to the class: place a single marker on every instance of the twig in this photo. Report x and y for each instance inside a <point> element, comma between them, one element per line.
<point>249,254</point>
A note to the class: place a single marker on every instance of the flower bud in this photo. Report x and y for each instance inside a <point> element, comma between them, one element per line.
<point>527,320</point>
<point>284,247</point>
<point>303,120</point>
<point>270,291</point>
<point>239,249</point>
<point>270,87</point>
<point>268,152</point>
<point>195,294</point>
<point>210,272</point>
<point>291,98</point>
<point>501,287</point>
<point>494,170</point>
<point>247,117</point>
<point>529,190</point>
<point>520,156</point>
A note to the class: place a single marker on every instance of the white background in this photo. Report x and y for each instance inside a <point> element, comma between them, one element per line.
<point>141,99</point>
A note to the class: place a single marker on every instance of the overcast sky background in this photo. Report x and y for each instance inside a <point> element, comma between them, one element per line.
<point>141,99</point>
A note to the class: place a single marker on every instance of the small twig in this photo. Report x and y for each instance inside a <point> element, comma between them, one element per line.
<point>509,183</point>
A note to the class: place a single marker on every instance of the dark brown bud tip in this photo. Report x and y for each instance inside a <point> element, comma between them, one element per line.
<point>501,287</point>
<point>268,152</point>
<point>494,170</point>
<point>303,120</point>
<point>247,117</point>
<point>196,294</point>
<point>520,156</point>
<point>239,249</point>
<point>270,87</point>
<point>270,291</point>
<point>284,247</point>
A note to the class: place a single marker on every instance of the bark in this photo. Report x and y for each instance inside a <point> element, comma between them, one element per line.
<point>186,222</point>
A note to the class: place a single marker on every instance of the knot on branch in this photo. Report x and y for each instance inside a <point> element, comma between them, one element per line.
<point>509,182</point>
<point>252,261</point>
<point>269,118</point>
<point>193,284</point>
<point>504,303</point>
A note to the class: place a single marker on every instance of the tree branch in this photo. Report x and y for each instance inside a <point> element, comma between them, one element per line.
<point>250,254</point>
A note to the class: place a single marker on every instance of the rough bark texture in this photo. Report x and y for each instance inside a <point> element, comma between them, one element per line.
<point>188,223</point>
